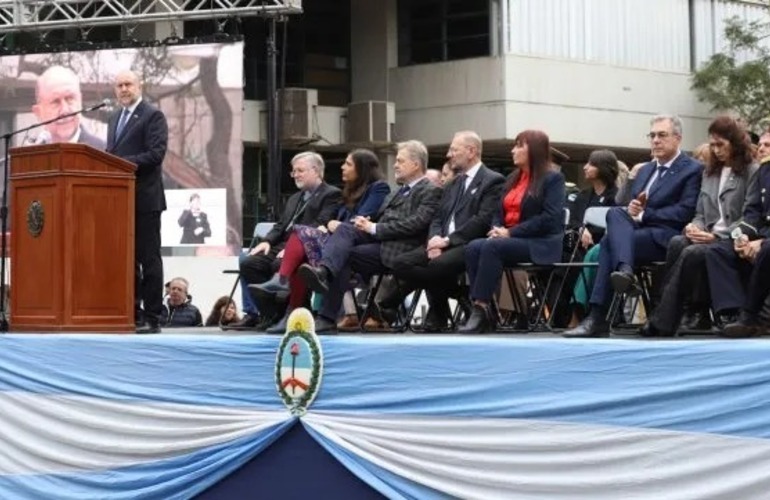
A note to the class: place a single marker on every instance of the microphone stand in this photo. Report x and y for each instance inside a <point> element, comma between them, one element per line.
<point>4,204</point>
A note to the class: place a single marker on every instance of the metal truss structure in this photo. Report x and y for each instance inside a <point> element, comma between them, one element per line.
<point>45,15</point>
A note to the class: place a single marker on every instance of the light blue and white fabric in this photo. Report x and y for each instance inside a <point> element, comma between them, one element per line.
<point>103,416</point>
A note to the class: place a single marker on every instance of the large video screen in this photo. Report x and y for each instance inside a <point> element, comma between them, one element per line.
<point>200,90</point>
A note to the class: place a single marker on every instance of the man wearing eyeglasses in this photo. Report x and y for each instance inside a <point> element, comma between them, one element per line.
<point>315,204</point>
<point>664,195</point>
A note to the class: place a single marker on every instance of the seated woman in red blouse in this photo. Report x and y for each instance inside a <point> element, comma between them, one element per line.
<point>529,227</point>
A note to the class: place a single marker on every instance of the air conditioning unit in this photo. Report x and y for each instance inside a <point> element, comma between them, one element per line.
<point>371,122</point>
<point>297,109</point>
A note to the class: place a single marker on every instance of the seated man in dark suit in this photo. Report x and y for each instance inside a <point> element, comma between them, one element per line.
<point>664,193</point>
<point>745,259</point>
<point>315,204</point>
<point>370,246</point>
<point>467,206</point>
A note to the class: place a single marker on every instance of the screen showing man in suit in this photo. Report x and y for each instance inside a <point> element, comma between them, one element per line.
<point>57,93</point>
<point>198,87</point>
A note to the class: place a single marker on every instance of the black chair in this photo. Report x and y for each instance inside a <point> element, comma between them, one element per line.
<point>260,231</point>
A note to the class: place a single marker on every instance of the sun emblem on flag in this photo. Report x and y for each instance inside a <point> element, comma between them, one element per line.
<point>299,362</point>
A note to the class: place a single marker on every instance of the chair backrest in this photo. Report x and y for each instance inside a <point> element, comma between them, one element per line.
<point>262,228</point>
<point>596,216</point>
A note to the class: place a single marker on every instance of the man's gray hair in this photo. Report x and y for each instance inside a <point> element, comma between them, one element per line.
<point>315,160</point>
<point>676,122</point>
<point>416,151</point>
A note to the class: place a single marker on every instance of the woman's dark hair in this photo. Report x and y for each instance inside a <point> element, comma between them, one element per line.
<point>367,171</point>
<point>606,163</point>
<point>740,143</point>
<point>215,316</point>
<point>539,160</point>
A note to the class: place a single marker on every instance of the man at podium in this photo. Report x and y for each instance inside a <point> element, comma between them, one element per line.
<point>138,132</point>
<point>57,93</point>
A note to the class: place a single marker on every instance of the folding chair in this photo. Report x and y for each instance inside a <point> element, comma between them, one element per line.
<point>260,231</point>
<point>537,290</point>
<point>593,216</point>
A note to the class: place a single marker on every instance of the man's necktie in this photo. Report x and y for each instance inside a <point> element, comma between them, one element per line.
<point>660,173</point>
<point>122,122</point>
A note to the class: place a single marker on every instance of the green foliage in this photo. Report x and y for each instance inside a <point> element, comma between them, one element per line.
<point>738,79</point>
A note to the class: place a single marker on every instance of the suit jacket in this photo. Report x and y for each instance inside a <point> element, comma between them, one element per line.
<point>671,201</point>
<point>91,140</point>
<point>143,142</point>
<point>473,212</point>
<point>733,199</point>
<point>756,216</point>
<point>322,206</point>
<point>541,223</point>
<point>403,221</point>
<point>369,204</point>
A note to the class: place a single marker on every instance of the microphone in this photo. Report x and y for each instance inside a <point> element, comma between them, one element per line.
<point>43,137</point>
<point>103,103</point>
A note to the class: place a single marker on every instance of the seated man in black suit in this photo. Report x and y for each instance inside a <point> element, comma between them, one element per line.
<point>315,204</point>
<point>370,247</point>
<point>664,193</point>
<point>746,259</point>
<point>467,206</point>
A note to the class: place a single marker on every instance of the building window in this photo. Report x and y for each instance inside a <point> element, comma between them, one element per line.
<point>442,30</point>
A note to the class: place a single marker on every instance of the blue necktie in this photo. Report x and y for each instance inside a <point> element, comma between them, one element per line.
<point>122,122</point>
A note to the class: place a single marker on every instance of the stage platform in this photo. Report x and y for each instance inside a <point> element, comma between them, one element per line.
<point>197,413</point>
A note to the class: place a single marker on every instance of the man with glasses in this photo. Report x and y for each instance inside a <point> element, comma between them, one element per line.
<point>315,204</point>
<point>664,195</point>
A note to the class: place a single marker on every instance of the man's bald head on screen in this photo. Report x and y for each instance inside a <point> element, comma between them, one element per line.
<point>58,93</point>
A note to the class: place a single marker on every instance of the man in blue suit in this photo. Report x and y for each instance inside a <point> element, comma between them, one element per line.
<point>664,195</point>
<point>138,133</point>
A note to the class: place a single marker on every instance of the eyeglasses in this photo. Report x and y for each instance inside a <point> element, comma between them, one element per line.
<point>659,135</point>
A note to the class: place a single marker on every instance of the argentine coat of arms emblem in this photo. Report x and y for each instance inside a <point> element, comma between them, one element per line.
<point>299,362</point>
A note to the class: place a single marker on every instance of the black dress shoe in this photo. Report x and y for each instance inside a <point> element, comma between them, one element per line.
<point>324,326</point>
<point>466,306</point>
<point>148,328</point>
<point>248,322</point>
<point>279,327</point>
<point>696,321</point>
<point>316,278</point>
<point>480,321</point>
<point>624,282</point>
<point>435,322</point>
<point>388,315</point>
<point>650,330</point>
<point>589,328</point>
<point>748,325</point>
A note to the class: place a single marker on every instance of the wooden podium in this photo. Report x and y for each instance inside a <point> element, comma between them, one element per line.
<point>72,243</point>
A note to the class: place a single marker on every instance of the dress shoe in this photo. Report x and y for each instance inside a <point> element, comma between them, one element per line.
<point>480,321</point>
<point>279,327</point>
<point>748,325</point>
<point>248,322</point>
<point>435,322</point>
<point>316,278</point>
<point>375,325</point>
<point>624,282</point>
<point>272,287</point>
<point>650,330</point>
<point>148,328</point>
<point>349,323</point>
<point>325,326</point>
<point>696,321</point>
<point>589,328</point>
<point>388,315</point>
